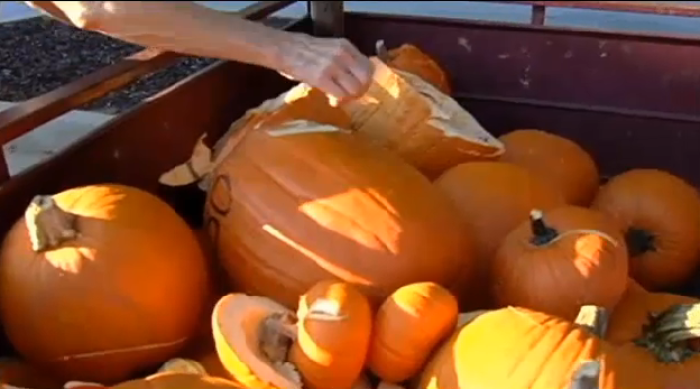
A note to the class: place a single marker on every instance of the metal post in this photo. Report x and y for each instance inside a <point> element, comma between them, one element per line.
<point>327,17</point>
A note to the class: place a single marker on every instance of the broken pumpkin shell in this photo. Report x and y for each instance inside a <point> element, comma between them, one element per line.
<point>411,117</point>
<point>333,335</point>
<point>409,58</point>
<point>252,340</point>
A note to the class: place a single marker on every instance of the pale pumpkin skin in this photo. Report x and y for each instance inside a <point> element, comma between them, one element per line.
<point>125,294</point>
<point>407,327</point>
<point>296,205</point>
<point>517,348</point>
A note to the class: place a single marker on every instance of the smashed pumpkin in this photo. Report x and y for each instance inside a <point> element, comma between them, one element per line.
<point>100,281</point>
<point>659,214</point>
<point>493,198</point>
<point>560,160</point>
<point>301,202</point>
<point>264,345</point>
<point>407,327</point>
<point>411,59</point>
<point>575,251</point>
<point>429,129</point>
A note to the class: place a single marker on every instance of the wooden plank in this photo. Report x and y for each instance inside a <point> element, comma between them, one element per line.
<point>328,18</point>
<point>27,115</point>
<point>652,7</point>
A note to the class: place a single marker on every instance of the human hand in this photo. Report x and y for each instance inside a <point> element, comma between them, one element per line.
<point>333,65</point>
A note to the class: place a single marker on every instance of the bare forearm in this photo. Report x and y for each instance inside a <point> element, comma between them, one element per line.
<point>183,27</point>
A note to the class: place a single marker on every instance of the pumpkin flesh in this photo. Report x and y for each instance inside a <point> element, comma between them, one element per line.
<point>427,128</point>
<point>411,59</point>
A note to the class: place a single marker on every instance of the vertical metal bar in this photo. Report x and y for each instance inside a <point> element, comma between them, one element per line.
<point>327,17</point>
<point>539,14</point>
<point>4,169</point>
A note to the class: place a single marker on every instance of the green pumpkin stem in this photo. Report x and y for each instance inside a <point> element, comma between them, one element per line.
<point>48,225</point>
<point>595,319</point>
<point>542,234</point>
<point>666,333</point>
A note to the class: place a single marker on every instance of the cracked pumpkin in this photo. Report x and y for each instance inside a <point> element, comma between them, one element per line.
<point>99,282</point>
<point>324,345</point>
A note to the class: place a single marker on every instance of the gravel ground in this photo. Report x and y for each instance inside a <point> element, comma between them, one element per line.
<point>39,54</point>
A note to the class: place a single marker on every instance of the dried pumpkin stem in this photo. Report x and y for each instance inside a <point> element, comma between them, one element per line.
<point>325,310</point>
<point>49,226</point>
<point>594,318</point>
<point>666,332</point>
<point>639,241</point>
<point>542,234</point>
<point>381,50</point>
<point>587,376</point>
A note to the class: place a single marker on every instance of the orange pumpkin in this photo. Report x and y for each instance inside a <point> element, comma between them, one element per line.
<point>16,372</point>
<point>574,251</point>
<point>408,325</point>
<point>113,270</point>
<point>663,325</point>
<point>560,160</point>
<point>411,59</point>
<point>659,215</point>
<point>518,348</point>
<point>333,335</point>
<point>493,198</point>
<point>302,202</point>
<point>427,128</point>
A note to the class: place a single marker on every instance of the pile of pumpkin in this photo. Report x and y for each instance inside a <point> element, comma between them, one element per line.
<point>348,238</point>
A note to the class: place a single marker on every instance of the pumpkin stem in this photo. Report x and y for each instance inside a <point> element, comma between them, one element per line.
<point>325,310</point>
<point>49,226</point>
<point>666,333</point>
<point>542,233</point>
<point>639,241</point>
<point>587,376</point>
<point>382,52</point>
<point>594,318</point>
<point>277,332</point>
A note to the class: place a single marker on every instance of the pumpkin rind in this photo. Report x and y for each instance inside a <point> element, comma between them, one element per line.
<point>311,202</point>
<point>122,282</point>
<point>408,325</point>
<point>582,256</point>
<point>427,128</point>
<point>659,214</point>
<point>493,198</point>
<point>560,160</point>
<point>333,334</point>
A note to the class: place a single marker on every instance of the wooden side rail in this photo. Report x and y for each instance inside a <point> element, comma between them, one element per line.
<point>27,115</point>
<point>666,8</point>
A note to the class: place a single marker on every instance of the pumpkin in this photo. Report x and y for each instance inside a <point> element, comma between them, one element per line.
<point>302,202</point>
<point>113,270</point>
<point>493,198</point>
<point>333,336</point>
<point>575,251</point>
<point>405,114</point>
<point>407,326</point>
<point>171,380</point>
<point>662,324</point>
<point>264,345</point>
<point>16,372</point>
<point>659,215</point>
<point>555,158</point>
<point>519,348</point>
<point>411,59</point>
